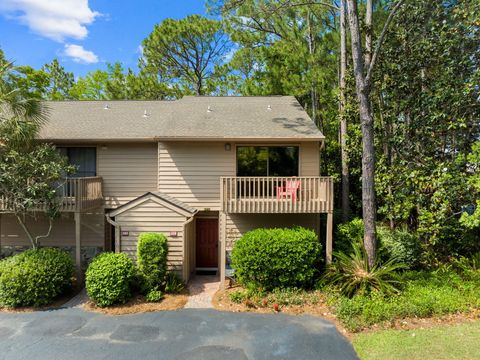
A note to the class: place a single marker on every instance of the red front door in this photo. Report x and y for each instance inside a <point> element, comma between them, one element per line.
<point>207,243</point>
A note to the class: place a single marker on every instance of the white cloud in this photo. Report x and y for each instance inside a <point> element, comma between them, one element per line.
<point>79,54</point>
<point>54,19</point>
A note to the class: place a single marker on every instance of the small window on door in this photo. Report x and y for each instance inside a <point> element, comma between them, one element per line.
<point>83,158</point>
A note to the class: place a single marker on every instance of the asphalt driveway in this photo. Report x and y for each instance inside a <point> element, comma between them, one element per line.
<point>187,334</point>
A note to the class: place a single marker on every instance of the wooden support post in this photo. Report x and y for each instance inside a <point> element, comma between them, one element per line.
<point>78,248</point>
<point>118,233</point>
<point>223,249</point>
<point>329,241</point>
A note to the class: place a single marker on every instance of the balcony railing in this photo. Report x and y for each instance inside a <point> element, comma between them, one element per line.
<point>76,194</point>
<point>305,194</point>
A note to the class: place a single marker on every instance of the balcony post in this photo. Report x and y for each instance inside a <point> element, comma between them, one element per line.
<point>78,257</point>
<point>329,241</point>
<point>223,249</point>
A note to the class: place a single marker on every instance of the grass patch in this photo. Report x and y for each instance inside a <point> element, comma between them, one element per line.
<point>459,341</point>
<point>424,295</point>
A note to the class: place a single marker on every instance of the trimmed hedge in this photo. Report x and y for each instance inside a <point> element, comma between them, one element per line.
<point>35,277</point>
<point>152,251</point>
<point>277,258</point>
<point>109,277</point>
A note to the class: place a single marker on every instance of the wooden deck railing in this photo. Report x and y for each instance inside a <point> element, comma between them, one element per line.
<point>305,194</point>
<point>76,194</point>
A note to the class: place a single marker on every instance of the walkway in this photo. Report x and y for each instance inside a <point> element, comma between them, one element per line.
<point>201,289</point>
<point>72,333</point>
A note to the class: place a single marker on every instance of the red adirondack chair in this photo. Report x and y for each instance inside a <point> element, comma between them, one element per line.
<point>289,190</point>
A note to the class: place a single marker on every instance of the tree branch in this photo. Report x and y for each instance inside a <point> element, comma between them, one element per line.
<point>378,46</point>
<point>24,227</point>
<point>50,226</point>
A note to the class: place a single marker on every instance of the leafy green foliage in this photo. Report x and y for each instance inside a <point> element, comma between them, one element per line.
<point>109,277</point>
<point>277,258</point>
<point>282,297</point>
<point>173,283</point>
<point>348,234</point>
<point>401,245</point>
<point>425,294</point>
<point>35,277</point>
<point>350,273</point>
<point>152,251</point>
<point>185,52</point>
<point>154,296</point>
<point>426,99</point>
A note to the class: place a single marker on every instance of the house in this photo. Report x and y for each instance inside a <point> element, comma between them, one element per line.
<point>202,170</point>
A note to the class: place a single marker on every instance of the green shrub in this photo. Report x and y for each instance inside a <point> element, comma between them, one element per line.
<point>109,277</point>
<point>401,245</point>
<point>152,251</point>
<point>425,295</point>
<point>277,258</point>
<point>173,283</point>
<point>35,277</point>
<point>154,296</point>
<point>347,234</point>
<point>351,274</point>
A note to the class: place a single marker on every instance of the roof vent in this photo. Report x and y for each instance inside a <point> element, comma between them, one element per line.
<point>209,109</point>
<point>106,107</point>
<point>269,107</point>
<point>146,114</point>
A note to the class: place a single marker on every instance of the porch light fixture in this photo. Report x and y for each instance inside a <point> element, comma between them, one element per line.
<point>106,107</point>
<point>104,147</point>
<point>228,147</point>
<point>146,114</point>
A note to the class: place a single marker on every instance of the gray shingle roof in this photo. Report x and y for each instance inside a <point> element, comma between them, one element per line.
<point>162,196</point>
<point>208,118</point>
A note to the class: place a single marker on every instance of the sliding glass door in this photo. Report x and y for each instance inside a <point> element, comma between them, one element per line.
<point>267,161</point>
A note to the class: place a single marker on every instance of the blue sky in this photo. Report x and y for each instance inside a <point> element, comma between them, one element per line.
<point>83,34</point>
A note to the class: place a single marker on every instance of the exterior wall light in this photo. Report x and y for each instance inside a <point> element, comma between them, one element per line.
<point>228,147</point>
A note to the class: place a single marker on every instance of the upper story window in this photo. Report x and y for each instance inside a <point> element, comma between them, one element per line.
<point>84,159</point>
<point>267,161</point>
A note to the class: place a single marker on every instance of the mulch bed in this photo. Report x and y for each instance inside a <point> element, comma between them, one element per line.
<point>139,305</point>
<point>222,302</point>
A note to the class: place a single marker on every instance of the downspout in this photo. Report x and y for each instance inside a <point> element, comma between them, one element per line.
<point>117,232</point>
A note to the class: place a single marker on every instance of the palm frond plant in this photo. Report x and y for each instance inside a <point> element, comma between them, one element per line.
<point>20,114</point>
<point>350,273</point>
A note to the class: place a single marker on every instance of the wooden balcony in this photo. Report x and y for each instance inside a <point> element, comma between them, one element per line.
<point>76,195</point>
<point>276,195</point>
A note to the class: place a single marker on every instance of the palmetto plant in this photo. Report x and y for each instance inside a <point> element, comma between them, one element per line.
<point>20,114</point>
<point>351,274</point>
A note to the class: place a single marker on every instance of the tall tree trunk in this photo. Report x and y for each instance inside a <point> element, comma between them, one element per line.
<point>368,32</point>
<point>368,151</point>
<point>311,51</point>
<point>343,118</point>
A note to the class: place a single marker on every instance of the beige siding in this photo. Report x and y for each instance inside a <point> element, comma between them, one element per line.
<point>189,250</point>
<point>63,231</point>
<point>151,216</point>
<point>310,159</point>
<point>191,172</point>
<point>128,171</point>
<point>239,224</point>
